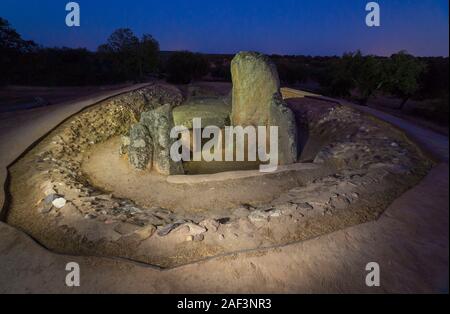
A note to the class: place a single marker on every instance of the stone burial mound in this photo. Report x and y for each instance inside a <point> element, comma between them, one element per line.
<point>103,183</point>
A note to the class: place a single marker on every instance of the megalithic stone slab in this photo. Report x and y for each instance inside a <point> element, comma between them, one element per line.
<point>257,101</point>
<point>255,81</point>
<point>140,149</point>
<point>283,117</point>
<point>159,123</point>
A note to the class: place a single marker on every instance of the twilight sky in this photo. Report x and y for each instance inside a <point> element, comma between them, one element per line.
<point>310,27</point>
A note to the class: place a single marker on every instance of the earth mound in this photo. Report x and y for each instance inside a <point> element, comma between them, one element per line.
<point>74,193</point>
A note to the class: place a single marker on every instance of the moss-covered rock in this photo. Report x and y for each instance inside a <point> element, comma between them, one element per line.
<point>212,111</point>
<point>140,150</point>
<point>257,101</point>
<point>159,123</point>
<point>283,117</point>
<point>255,81</point>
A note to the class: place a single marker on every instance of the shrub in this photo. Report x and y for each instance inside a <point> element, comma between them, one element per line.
<point>183,66</point>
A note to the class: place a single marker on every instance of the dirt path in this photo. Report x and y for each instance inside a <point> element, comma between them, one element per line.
<point>19,130</point>
<point>410,242</point>
<point>15,97</point>
<point>434,143</point>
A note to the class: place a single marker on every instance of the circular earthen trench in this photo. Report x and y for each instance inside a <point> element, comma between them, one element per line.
<point>74,193</point>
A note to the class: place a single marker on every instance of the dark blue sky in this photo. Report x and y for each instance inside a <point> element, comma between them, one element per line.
<point>316,27</point>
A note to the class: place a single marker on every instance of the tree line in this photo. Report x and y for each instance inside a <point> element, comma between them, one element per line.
<point>126,57</point>
<point>361,77</point>
<point>123,58</point>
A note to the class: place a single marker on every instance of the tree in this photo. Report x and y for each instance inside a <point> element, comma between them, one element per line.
<point>184,66</point>
<point>221,70</point>
<point>122,52</point>
<point>121,40</point>
<point>434,81</point>
<point>149,50</point>
<point>402,76</point>
<point>367,75</point>
<point>131,58</point>
<point>338,77</point>
<point>123,57</point>
<point>12,49</point>
<point>353,71</point>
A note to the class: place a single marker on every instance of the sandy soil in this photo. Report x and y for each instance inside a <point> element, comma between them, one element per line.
<point>106,169</point>
<point>410,242</point>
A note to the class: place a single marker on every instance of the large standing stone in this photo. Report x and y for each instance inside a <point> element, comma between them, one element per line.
<point>140,148</point>
<point>257,101</point>
<point>159,122</point>
<point>255,81</point>
<point>284,118</point>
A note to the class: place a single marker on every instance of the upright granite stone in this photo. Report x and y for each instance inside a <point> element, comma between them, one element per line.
<point>257,101</point>
<point>140,148</point>
<point>159,123</point>
<point>255,80</point>
<point>284,118</point>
